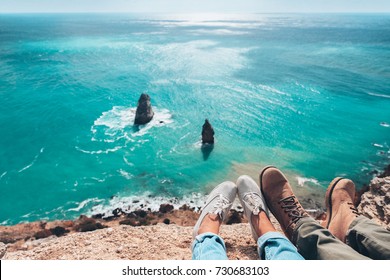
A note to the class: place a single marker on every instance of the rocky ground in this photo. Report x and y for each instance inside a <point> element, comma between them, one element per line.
<point>89,238</point>
<point>134,243</point>
<point>375,203</point>
<point>165,234</point>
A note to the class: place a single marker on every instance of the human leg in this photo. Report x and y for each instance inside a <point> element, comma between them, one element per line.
<point>357,231</point>
<point>271,244</point>
<point>369,239</point>
<point>207,244</point>
<point>315,242</point>
<point>312,240</point>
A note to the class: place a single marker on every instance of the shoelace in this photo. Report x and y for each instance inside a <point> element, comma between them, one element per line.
<point>354,210</point>
<point>289,204</point>
<point>220,206</point>
<point>254,201</point>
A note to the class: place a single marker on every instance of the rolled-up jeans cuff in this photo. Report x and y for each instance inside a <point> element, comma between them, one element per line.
<point>276,246</point>
<point>261,242</point>
<point>199,239</point>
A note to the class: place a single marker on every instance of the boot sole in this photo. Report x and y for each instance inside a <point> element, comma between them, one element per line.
<point>328,199</point>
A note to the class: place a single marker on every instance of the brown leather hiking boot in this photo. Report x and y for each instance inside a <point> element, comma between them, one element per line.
<point>340,209</point>
<point>281,199</point>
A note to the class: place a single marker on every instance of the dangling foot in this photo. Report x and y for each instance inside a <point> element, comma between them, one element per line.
<point>255,208</point>
<point>340,208</point>
<point>217,207</point>
<point>281,200</point>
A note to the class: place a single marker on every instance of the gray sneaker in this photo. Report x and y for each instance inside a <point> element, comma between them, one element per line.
<point>219,202</point>
<point>251,199</point>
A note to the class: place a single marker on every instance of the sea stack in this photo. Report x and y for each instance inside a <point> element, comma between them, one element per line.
<point>207,133</point>
<point>144,113</point>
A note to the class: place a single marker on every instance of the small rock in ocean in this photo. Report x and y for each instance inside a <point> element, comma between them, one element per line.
<point>207,133</point>
<point>165,208</point>
<point>117,212</point>
<point>144,113</point>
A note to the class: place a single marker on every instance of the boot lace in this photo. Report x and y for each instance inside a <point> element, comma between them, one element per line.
<point>289,204</point>
<point>353,208</point>
<point>220,206</point>
<point>254,202</point>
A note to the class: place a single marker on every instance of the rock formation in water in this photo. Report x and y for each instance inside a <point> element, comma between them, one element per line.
<point>144,113</point>
<point>207,133</point>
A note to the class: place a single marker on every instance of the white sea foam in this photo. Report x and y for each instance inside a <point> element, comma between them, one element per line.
<point>146,201</point>
<point>116,127</point>
<point>378,95</point>
<point>384,124</point>
<point>4,223</point>
<point>272,89</point>
<point>119,118</point>
<point>32,163</point>
<point>377,145</point>
<point>84,203</point>
<point>302,181</point>
<point>125,174</point>
<point>99,151</point>
<point>127,161</point>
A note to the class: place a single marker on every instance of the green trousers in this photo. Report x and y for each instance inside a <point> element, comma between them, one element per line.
<point>365,240</point>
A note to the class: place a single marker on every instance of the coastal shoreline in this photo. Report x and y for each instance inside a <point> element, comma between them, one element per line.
<point>131,231</point>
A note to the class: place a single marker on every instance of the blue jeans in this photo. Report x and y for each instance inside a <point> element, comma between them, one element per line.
<point>271,246</point>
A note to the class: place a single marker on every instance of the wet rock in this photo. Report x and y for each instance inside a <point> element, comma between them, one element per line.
<point>3,249</point>
<point>87,224</point>
<point>184,207</point>
<point>43,234</point>
<point>165,208</point>
<point>144,113</point>
<point>117,212</point>
<point>207,133</point>
<point>59,231</point>
<point>98,216</point>
<point>140,213</point>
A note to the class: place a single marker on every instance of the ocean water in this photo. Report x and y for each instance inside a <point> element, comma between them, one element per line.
<point>307,93</point>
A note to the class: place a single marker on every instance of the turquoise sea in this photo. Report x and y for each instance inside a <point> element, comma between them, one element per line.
<point>308,93</point>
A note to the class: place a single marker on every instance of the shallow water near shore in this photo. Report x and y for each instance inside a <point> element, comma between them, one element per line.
<point>307,93</point>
